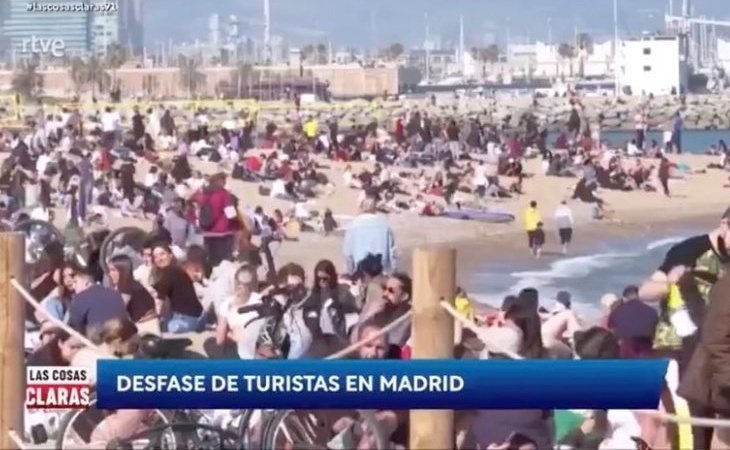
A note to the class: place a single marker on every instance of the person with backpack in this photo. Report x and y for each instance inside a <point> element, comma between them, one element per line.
<point>217,219</point>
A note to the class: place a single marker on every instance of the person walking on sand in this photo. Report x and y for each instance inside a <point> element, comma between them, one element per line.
<point>564,220</point>
<point>531,219</point>
<point>663,174</point>
<point>677,125</point>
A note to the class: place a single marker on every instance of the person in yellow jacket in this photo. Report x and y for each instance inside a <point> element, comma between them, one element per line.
<point>311,128</point>
<point>532,219</point>
<point>462,303</point>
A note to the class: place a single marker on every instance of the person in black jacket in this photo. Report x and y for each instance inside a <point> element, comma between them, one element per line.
<point>138,127</point>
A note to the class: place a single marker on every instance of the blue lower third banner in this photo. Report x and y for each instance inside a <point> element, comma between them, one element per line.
<point>370,384</point>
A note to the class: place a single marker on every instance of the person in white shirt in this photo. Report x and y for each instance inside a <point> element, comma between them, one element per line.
<point>300,211</point>
<point>42,163</point>
<point>632,149</point>
<point>479,180</point>
<point>324,139</point>
<point>111,124</point>
<point>278,189</point>
<point>242,328</point>
<point>667,139</point>
<point>564,220</point>
<point>42,213</point>
<point>151,178</point>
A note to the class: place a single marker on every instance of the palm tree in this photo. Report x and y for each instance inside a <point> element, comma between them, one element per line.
<point>307,52</point>
<point>567,51</point>
<point>190,75</point>
<point>77,72</point>
<point>486,54</point>
<point>96,75</point>
<point>116,56</point>
<point>394,51</point>
<point>322,54</point>
<point>150,85</point>
<point>244,73</point>
<point>27,81</point>
<point>585,49</point>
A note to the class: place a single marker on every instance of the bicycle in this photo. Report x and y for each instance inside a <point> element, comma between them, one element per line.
<point>304,430</point>
<point>76,429</point>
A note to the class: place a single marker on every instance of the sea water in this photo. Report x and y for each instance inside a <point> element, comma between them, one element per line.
<point>603,267</point>
<point>693,141</point>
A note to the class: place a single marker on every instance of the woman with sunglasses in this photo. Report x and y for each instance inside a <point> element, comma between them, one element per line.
<point>140,304</point>
<point>332,300</point>
<point>297,324</point>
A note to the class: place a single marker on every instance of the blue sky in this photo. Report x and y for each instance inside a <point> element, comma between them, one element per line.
<point>367,23</point>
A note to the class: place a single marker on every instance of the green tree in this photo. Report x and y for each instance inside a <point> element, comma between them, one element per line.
<point>190,75</point>
<point>394,51</point>
<point>96,75</point>
<point>566,51</point>
<point>322,54</point>
<point>488,54</point>
<point>116,56</point>
<point>77,72</point>
<point>150,85</point>
<point>27,81</point>
<point>585,42</point>
<point>308,52</point>
<point>245,70</point>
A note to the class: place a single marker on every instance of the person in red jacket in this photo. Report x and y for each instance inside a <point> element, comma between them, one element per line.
<point>217,219</point>
<point>400,131</point>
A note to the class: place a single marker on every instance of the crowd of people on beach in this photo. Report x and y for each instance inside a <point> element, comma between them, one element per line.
<point>206,267</point>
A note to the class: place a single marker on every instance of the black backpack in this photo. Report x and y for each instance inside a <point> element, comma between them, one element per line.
<point>206,219</point>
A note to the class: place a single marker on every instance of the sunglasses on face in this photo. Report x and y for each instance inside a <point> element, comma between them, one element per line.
<point>322,278</point>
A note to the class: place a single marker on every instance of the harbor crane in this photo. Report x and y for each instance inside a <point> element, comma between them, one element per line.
<point>698,35</point>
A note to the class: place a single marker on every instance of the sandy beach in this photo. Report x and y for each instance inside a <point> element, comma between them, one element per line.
<point>694,200</point>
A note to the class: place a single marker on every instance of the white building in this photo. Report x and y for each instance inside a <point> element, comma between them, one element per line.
<point>723,54</point>
<point>214,29</point>
<point>103,31</point>
<point>651,65</point>
<point>542,60</point>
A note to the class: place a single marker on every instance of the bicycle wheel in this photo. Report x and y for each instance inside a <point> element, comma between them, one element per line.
<point>39,235</point>
<point>77,427</point>
<point>302,430</point>
<point>131,237</point>
<point>251,427</point>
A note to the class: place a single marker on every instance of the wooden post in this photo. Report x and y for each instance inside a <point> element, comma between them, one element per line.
<point>432,337</point>
<point>12,329</point>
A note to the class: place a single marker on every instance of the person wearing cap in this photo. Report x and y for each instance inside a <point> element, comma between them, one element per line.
<point>683,283</point>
